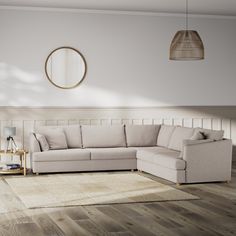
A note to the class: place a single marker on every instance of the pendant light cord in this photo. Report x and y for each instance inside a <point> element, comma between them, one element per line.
<point>186,14</point>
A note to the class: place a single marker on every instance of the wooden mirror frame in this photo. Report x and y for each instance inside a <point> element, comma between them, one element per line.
<point>80,54</point>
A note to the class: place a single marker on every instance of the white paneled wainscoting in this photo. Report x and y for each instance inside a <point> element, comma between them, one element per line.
<point>26,119</point>
<point>24,127</point>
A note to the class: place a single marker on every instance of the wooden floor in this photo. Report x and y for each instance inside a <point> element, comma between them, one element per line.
<point>214,214</point>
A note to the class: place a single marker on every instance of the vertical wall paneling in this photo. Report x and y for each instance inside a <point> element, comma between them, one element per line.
<point>158,121</point>
<point>27,120</point>
<point>226,126</point>
<point>197,122</point>
<point>207,123</point>
<point>147,121</point>
<point>24,127</point>
<point>188,122</point>
<point>178,121</point>
<point>73,122</point>
<point>116,121</point>
<point>168,121</point>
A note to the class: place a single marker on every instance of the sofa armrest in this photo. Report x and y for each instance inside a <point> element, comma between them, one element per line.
<point>208,161</point>
<point>34,144</point>
<point>187,142</point>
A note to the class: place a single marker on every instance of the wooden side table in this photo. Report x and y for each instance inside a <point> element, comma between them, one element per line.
<point>22,155</point>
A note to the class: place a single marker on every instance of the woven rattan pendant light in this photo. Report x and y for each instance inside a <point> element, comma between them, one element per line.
<point>187,44</point>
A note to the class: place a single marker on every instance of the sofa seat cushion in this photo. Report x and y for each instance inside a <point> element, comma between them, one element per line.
<point>62,155</point>
<point>112,153</point>
<point>163,157</point>
<point>103,136</point>
<point>141,135</point>
<point>177,137</point>
<point>146,148</point>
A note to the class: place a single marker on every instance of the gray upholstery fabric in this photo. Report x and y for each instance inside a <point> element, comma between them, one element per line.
<point>73,136</point>
<point>141,135</point>
<point>42,142</point>
<point>112,153</point>
<point>103,136</point>
<point>197,135</point>
<point>72,133</point>
<point>62,155</point>
<point>208,162</point>
<point>34,144</point>
<point>201,160</point>
<point>154,148</point>
<point>212,134</point>
<point>163,157</point>
<point>176,176</point>
<point>56,138</point>
<point>164,135</point>
<point>85,165</point>
<point>195,142</point>
<point>187,142</point>
<point>177,137</point>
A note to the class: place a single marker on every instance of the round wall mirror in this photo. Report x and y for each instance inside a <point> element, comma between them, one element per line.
<point>65,67</point>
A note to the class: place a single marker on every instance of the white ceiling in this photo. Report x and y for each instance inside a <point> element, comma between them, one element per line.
<point>215,7</point>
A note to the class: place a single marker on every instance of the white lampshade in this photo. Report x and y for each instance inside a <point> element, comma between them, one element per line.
<point>9,131</point>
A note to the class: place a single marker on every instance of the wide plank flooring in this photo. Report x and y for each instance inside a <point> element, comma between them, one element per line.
<point>214,214</point>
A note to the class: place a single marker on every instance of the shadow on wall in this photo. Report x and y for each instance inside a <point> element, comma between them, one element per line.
<point>16,84</point>
<point>21,88</point>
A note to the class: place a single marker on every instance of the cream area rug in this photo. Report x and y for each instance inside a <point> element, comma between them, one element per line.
<point>91,189</point>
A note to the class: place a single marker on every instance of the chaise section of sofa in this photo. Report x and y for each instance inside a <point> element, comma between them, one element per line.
<point>165,160</point>
<point>171,152</point>
<point>162,162</point>
<point>208,161</point>
<point>183,160</point>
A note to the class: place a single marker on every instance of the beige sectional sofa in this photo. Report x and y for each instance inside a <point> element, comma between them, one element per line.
<point>178,154</point>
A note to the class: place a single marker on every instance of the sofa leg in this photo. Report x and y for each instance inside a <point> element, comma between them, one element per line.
<point>178,184</point>
<point>227,182</point>
<point>37,173</point>
<point>132,170</point>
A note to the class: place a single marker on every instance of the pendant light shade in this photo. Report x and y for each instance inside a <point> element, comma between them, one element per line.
<point>187,45</point>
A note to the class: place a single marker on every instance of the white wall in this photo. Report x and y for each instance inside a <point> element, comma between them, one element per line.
<point>127,59</point>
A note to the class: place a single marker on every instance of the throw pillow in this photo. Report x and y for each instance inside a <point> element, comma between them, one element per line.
<point>42,142</point>
<point>211,134</point>
<point>198,135</point>
<point>56,139</point>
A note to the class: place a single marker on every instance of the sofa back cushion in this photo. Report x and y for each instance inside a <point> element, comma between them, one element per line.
<point>164,135</point>
<point>177,137</point>
<point>103,136</point>
<point>211,134</point>
<point>141,135</point>
<point>72,134</point>
<point>55,137</point>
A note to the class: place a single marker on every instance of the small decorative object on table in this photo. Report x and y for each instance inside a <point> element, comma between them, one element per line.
<point>14,168</point>
<point>9,132</point>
